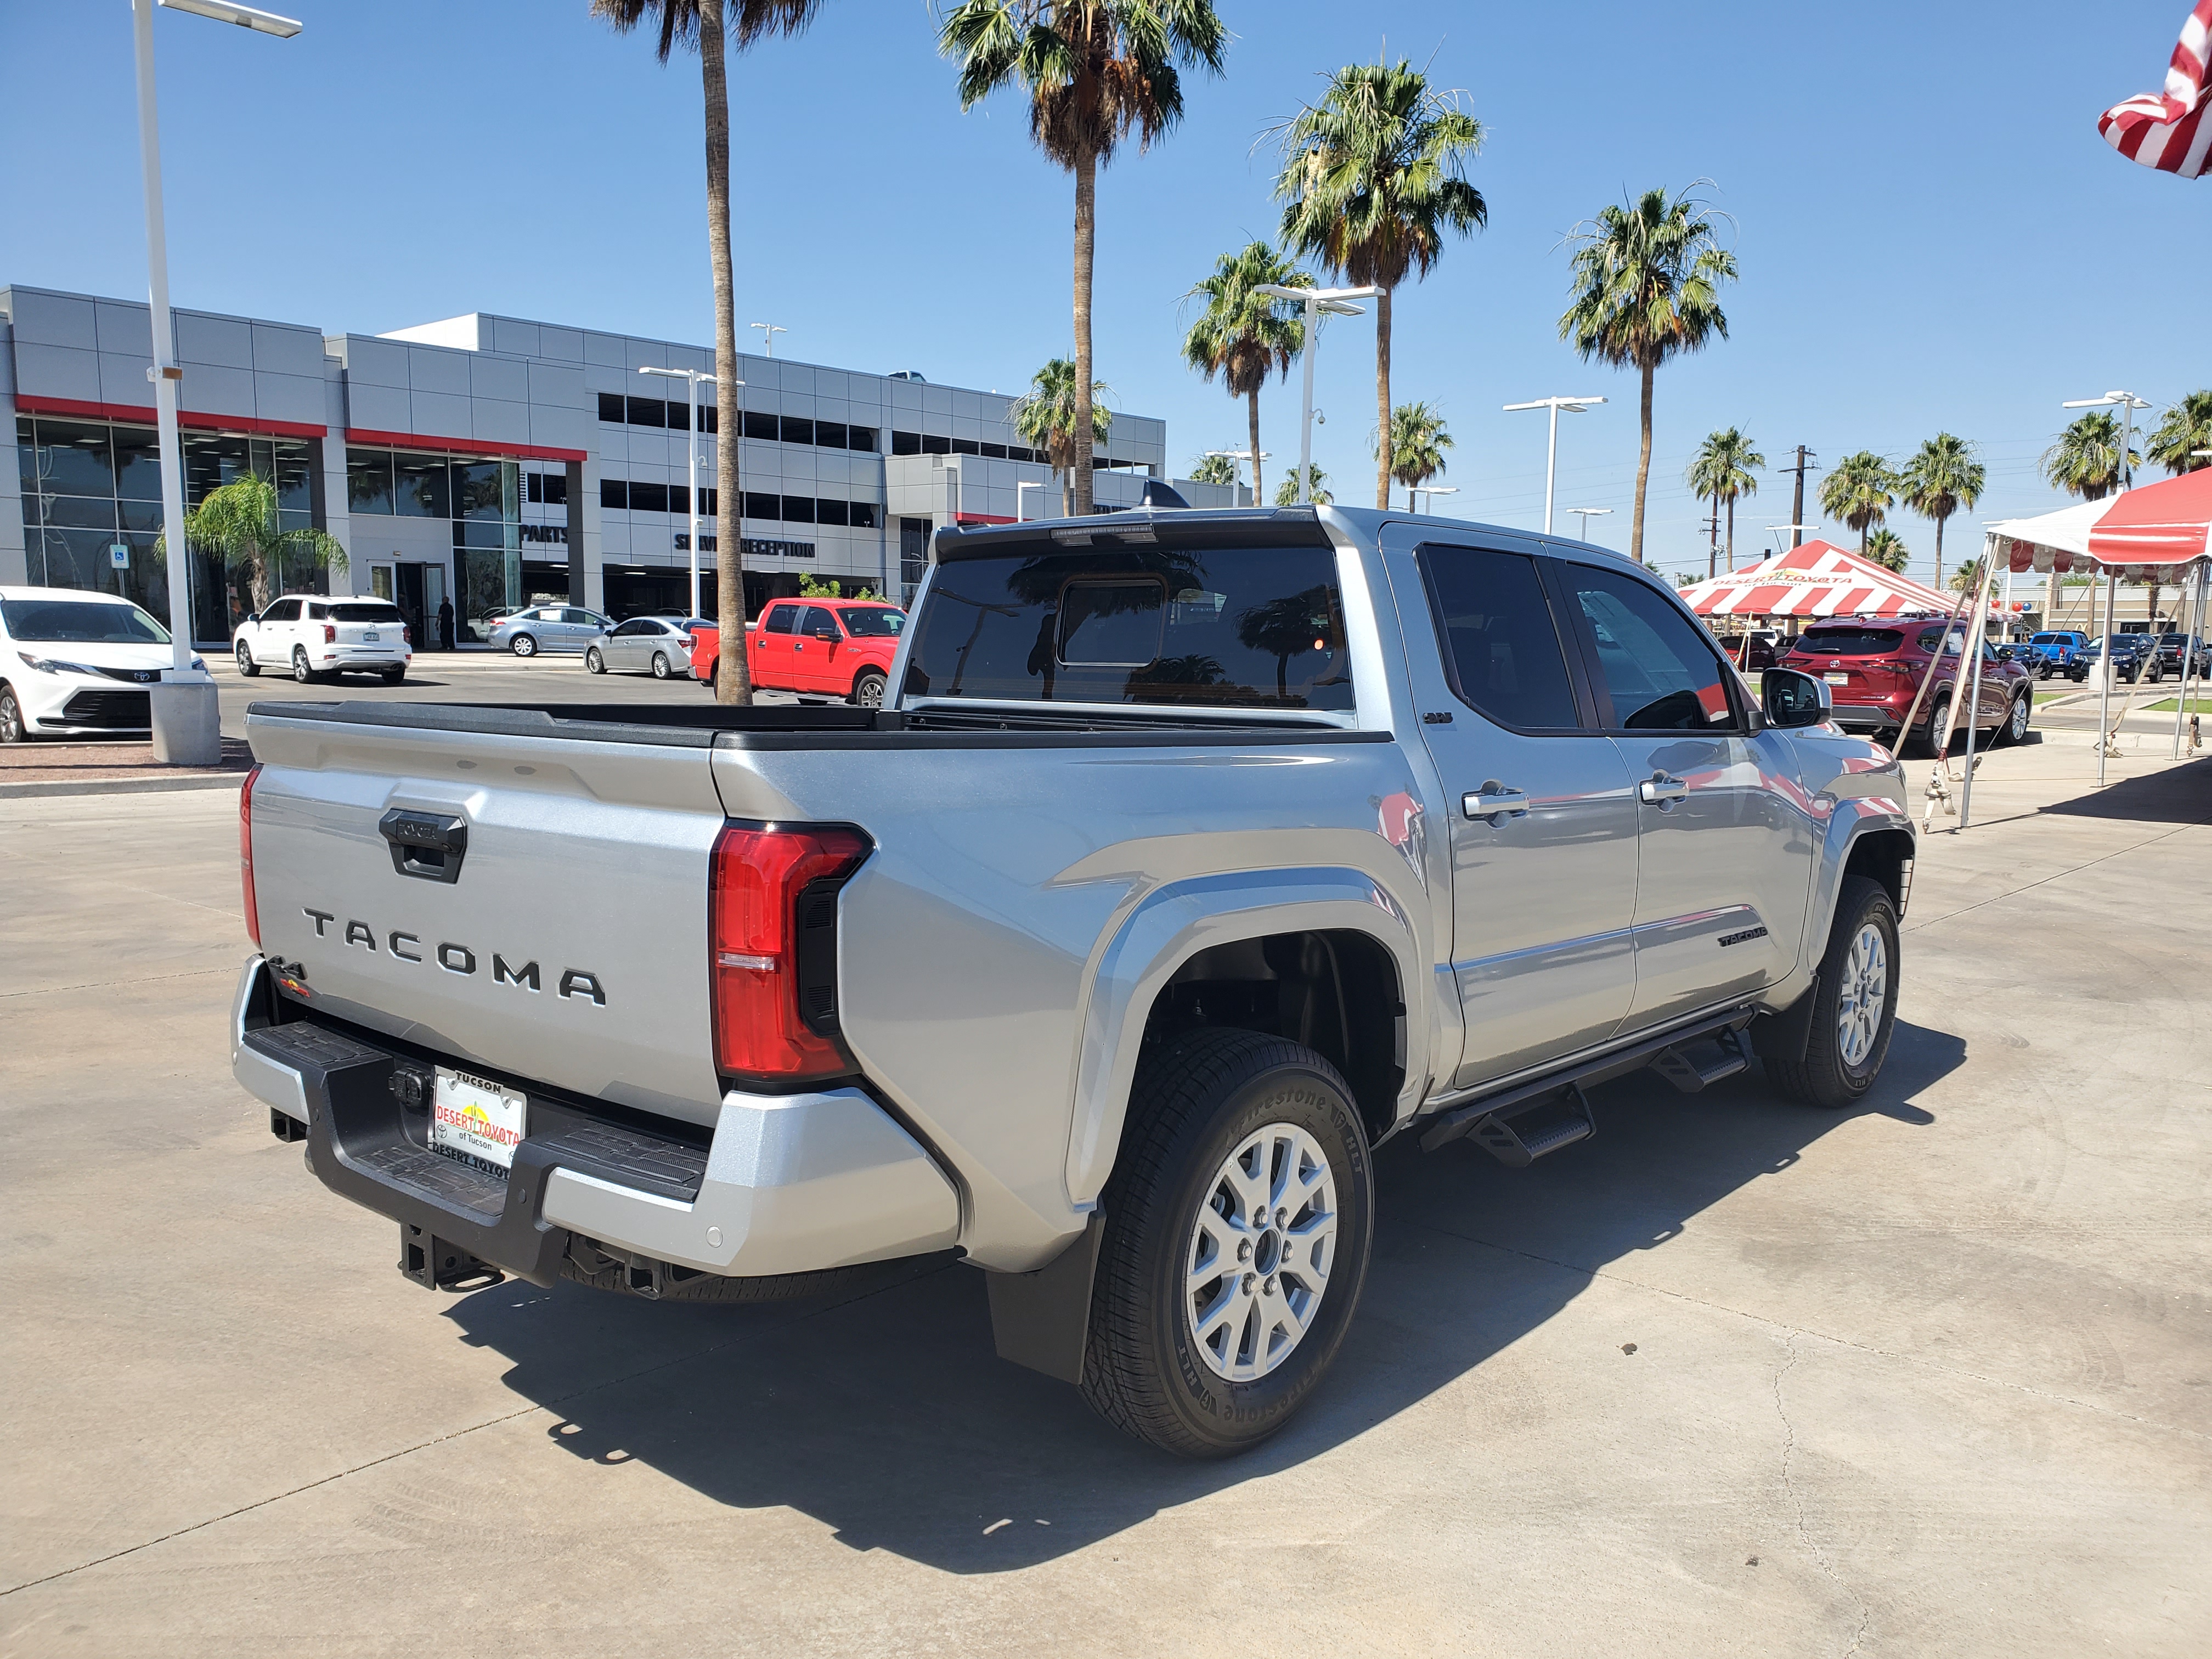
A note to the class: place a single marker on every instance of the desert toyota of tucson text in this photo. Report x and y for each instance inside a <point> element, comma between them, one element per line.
<point>1191,856</point>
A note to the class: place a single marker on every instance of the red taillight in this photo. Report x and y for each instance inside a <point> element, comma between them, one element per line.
<point>406,635</point>
<point>330,634</point>
<point>771,935</point>
<point>246,857</point>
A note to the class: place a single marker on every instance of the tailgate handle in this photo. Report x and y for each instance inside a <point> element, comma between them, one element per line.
<point>429,845</point>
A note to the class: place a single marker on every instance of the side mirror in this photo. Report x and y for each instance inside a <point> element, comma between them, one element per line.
<point>1791,699</point>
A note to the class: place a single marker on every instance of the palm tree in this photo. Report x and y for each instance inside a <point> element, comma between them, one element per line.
<point>1860,491</point>
<point>2086,459</point>
<point>239,521</point>
<point>1942,477</point>
<point>1418,441</point>
<point>1373,178</point>
<point>704,24</point>
<point>1243,334</point>
<point>1286,493</point>
<point>2183,441</point>
<point>1051,413</point>
<point>1967,577</point>
<point>1647,280</point>
<point>1096,72</point>
<point>1886,549</point>
<point>1723,468</point>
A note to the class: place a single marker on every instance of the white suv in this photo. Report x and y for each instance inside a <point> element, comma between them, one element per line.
<point>74,662</point>
<point>311,636</point>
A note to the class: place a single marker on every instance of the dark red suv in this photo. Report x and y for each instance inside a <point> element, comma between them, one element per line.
<point>1873,668</point>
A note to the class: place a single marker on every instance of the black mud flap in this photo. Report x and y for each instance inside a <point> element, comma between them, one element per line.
<point>1043,1319</point>
<point>1785,1036</point>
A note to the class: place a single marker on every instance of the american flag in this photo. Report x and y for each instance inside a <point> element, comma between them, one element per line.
<point>2169,130</point>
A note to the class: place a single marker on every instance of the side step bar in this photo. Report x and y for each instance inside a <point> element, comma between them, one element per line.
<point>1692,1073</point>
<point>1502,1110</point>
<point>1519,1136</point>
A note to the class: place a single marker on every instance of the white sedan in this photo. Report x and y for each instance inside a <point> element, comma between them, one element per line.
<point>73,662</point>
<point>309,637</point>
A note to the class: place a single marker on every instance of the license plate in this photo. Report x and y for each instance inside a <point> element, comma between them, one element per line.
<point>476,1119</point>
<point>371,637</point>
<point>1836,679</point>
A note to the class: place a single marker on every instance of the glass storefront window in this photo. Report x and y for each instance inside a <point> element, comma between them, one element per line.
<point>419,487</point>
<point>74,460</point>
<point>80,512</point>
<point>138,463</point>
<point>291,474</point>
<point>212,460</point>
<point>368,480</point>
<point>476,493</point>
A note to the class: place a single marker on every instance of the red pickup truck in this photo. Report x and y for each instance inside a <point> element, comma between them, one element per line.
<point>817,648</point>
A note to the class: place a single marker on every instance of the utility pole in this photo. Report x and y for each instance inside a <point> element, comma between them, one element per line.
<point>1713,528</point>
<point>1797,497</point>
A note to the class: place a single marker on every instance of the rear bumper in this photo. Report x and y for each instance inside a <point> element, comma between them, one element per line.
<point>789,1184</point>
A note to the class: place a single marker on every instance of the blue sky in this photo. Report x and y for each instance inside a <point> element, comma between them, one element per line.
<point>1931,233</point>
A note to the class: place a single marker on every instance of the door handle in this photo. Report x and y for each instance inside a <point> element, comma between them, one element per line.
<point>1496,802</point>
<point>1661,791</point>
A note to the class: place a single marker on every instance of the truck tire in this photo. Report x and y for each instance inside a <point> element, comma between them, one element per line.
<point>1849,1036</point>
<point>1245,1150</point>
<point>868,689</point>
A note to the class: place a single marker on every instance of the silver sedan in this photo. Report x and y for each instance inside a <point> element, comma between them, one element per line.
<point>659,646</point>
<point>549,627</point>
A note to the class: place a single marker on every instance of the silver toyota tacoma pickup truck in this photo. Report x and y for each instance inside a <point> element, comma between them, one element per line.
<point>1195,855</point>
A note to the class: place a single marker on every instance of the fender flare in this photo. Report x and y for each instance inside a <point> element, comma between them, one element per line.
<point>1164,931</point>
<point>1852,822</point>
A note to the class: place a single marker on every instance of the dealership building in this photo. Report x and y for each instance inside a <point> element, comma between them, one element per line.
<point>494,461</point>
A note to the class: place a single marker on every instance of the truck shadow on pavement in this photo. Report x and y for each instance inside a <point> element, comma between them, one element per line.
<point>887,1416</point>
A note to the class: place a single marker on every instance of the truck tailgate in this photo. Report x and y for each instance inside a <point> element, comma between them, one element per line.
<point>563,938</point>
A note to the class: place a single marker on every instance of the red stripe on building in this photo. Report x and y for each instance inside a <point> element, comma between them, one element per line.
<point>362,434</point>
<point>198,419</point>
<point>982,518</point>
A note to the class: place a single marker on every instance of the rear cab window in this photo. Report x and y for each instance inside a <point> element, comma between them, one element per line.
<point>365,613</point>
<point>1255,627</point>
<point>781,619</point>
<point>1501,649</point>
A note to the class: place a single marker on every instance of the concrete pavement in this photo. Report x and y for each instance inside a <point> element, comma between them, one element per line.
<point>1734,1378</point>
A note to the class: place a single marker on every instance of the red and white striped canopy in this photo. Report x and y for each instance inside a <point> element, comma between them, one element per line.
<point>2172,130</point>
<point>1817,580</point>
<point>2143,535</point>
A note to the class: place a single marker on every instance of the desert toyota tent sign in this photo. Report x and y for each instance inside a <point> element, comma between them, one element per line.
<point>1817,580</point>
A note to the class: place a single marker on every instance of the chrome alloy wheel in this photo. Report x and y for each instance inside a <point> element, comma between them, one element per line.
<point>1860,997</point>
<point>2018,719</point>
<point>1260,1252</point>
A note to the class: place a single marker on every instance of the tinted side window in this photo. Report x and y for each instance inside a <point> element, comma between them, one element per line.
<point>1652,660</point>
<point>1501,645</point>
<point>783,619</point>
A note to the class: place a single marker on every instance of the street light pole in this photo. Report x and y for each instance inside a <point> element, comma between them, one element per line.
<point>768,331</point>
<point>1020,515</point>
<point>1588,514</point>
<point>1243,455</point>
<point>1573,406</point>
<point>696,378</point>
<point>186,712</point>
<point>1318,301</point>
<point>1432,491</point>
